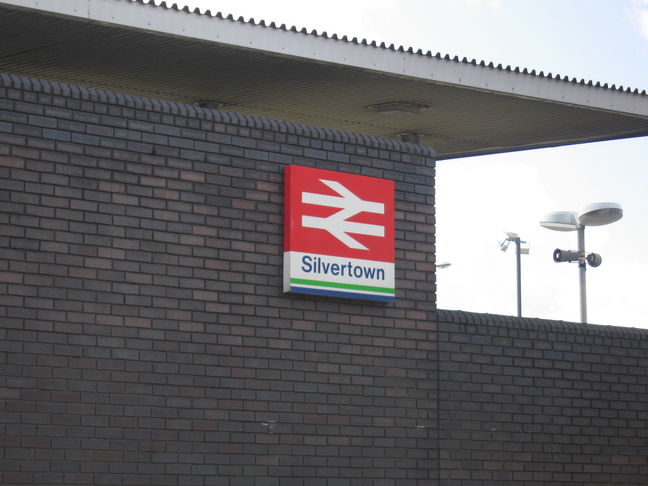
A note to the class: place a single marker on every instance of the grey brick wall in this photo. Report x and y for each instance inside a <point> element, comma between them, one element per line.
<point>145,339</point>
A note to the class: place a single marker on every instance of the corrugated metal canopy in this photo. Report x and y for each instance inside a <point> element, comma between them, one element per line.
<point>459,108</point>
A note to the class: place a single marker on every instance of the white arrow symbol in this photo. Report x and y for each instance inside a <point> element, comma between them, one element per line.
<point>337,223</point>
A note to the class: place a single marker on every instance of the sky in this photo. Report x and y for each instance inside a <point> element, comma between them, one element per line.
<point>479,199</point>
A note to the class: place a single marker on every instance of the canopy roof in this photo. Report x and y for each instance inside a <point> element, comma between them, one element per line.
<point>458,107</point>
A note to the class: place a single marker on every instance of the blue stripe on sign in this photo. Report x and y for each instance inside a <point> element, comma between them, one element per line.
<point>334,293</point>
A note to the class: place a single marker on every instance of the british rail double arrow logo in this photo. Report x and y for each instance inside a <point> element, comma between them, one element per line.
<point>338,224</point>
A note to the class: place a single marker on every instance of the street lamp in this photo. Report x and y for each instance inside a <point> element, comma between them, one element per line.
<point>519,250</point>
<point>594,214</point>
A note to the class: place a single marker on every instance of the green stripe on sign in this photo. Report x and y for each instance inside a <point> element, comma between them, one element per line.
<point>336,285</point>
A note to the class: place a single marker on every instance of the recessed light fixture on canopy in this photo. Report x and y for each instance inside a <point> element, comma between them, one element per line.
<point>594,214</point>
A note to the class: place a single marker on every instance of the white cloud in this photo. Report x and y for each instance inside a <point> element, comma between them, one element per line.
<point>643,22</point>
<point>639,14</point>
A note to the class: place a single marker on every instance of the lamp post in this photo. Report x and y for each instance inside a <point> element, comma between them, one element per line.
<point>513,237</point>
<point>594,214</point>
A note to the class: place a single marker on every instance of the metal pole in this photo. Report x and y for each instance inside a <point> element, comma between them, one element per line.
<point>581,270</point>
<point>519,276</point>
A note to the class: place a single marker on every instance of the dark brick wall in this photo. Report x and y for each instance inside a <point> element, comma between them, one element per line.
<point>531,402</point>
<point>145,339</point>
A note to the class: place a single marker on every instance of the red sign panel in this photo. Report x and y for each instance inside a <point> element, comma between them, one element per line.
<point>339,214</point>
<point>339,234</point>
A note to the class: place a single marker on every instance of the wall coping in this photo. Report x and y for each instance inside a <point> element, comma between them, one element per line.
<point>537,324</point>
<point>180,109</point>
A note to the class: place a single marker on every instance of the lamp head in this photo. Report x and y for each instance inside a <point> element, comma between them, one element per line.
<point>593,214</point>
<point>598,214</point>
<point>560,221</point>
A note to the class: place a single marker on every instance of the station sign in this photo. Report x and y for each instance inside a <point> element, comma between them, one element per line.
<point>338,234</point>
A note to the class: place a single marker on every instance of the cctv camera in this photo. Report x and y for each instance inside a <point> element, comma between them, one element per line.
<point>594,259</point>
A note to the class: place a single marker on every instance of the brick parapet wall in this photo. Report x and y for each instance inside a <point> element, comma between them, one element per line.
<point>536,402</point>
